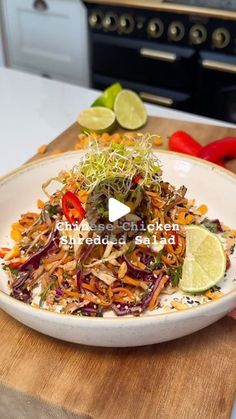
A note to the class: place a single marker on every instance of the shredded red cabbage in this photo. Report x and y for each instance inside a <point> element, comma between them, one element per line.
<point>122,309</point>
<point>34,261</point>
<point>20,279</point>
<point>134,270</point>
<point>21,294</point>
<point>79,281</point>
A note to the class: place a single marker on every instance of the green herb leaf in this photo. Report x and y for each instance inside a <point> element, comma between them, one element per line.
<point>157,264</point>
<point>14,271</point>
<point>175,275</point>
<point>43,295</point>
<point>210,225</point>
<point>130,249</point>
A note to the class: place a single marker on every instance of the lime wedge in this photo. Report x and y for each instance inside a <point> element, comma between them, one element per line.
<point>130,110</point>
<point>97,120</point>
<point>205,260</point>
<point>108,97</point>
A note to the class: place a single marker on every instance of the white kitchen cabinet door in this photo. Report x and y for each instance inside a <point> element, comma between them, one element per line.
<point>48,37</point>
<point>1,49</point>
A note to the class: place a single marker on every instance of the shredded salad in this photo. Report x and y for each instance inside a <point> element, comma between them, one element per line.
<point>92,279</point>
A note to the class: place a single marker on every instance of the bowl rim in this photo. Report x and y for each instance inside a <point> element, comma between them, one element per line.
<point>201,309</point>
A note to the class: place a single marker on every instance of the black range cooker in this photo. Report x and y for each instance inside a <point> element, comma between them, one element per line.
<point>173,54</point>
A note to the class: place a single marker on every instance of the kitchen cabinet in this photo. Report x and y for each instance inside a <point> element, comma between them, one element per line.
<point>48,37</point>
<point>1,48</point>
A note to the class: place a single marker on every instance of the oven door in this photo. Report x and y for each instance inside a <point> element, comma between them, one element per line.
<point>143,62</point>
<point>155,95</point>
<point>217,86</point>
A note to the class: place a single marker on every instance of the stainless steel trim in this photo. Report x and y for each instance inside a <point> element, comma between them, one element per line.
<point>160,100</point>
<point>169,7</point>
<point>219,66</point>
<point>158,55</point>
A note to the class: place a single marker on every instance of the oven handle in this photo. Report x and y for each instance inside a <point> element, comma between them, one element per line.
<point>156,99</point>
<point>158,55</point>
<point>219,66</point>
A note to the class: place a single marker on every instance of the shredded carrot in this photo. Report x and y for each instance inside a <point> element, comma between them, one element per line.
<point>110,293</point>
<point>137,283</point>
<point>169,260</point>
<point>124,291</point>
<point>154,299</point>
<point>89,287</point>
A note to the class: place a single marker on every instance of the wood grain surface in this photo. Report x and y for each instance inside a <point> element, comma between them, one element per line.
<point>161,126</point>
<point>190,378</point>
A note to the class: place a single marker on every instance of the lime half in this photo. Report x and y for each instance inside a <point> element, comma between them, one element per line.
<point>205,260</point>
<point>130,110</point>
<point>97,120</point>
<point>108,97</point>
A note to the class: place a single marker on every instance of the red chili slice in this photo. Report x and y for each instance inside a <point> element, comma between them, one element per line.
<point>136,179</point>
<point>72,208</point>
<point>15,265</point>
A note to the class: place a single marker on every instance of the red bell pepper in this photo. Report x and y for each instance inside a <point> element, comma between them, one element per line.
<point>219,149</point>
<point>182,142</point>
<point>72,208</point>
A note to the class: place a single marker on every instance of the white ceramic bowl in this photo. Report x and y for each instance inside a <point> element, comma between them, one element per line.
<point>206,182</point>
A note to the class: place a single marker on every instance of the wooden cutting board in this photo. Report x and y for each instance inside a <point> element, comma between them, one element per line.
<point>192,377</point>
<point>161,126</point>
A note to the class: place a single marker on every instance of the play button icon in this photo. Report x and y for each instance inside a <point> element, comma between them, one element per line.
<point>116,209</point>
<point>107,210</point>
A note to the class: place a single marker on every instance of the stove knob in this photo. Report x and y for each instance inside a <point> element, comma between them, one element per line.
<point>126,24</point>
<point>95,20</point>
<point>221,38</point>
<point>155,28</point>
<point>110,22</point>
<point>176,31</point>
<point>198,34</point>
